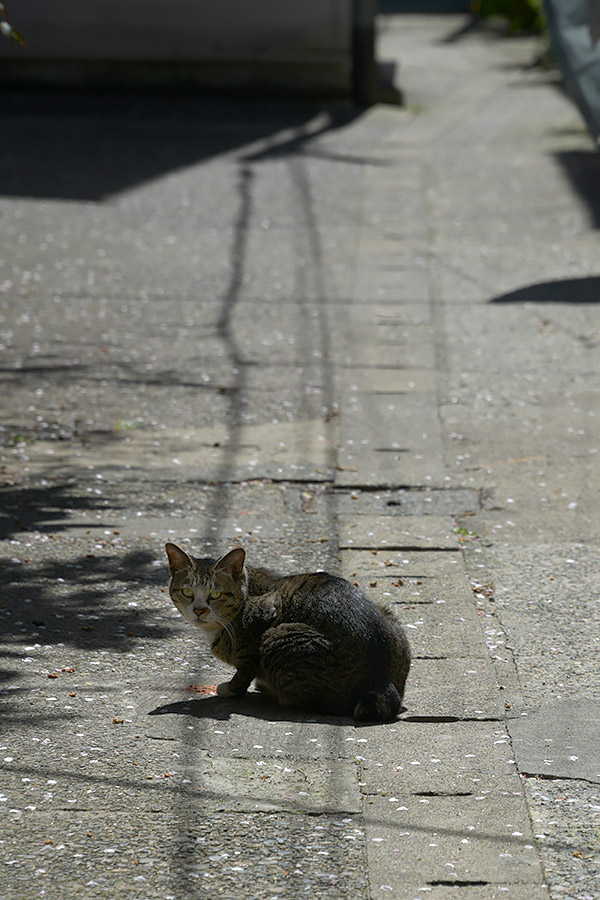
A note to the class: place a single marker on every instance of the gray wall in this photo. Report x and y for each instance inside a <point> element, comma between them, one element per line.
<point>227,42</point>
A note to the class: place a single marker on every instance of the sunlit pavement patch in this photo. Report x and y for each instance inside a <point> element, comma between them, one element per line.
<point>480,839</point>
<point>559,740</point>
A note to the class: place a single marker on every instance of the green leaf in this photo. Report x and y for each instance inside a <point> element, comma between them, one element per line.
<point>7,29</point>
<point>12,34</point>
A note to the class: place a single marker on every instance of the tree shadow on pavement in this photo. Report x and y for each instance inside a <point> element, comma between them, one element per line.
<point>568,290</point>
<point>90,602</point>
<point>82,601</point>
<point>85,602</point>
<point>40,508</point>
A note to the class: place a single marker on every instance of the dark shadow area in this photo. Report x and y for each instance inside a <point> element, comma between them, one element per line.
<point>583,171</point>
<point>17,711</point>
<point>74,602</point>
<point>41,509</point>
<point>76,145</point>
<point>254,705</point>
<point>82,603</point>
<point>58,505</point>
<point>571,290</point>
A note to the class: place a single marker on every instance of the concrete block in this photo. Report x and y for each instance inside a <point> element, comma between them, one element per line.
<point>560,740</point>
<point>436,758</point>
<point>475,840</point>
<point>406,502</point>
<point>402,443</point>
<point>397,532</point>
<point>451,689</point>
<point>446,628</point>
<point>398,564</point>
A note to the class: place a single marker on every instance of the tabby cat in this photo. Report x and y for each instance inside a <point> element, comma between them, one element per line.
<point>312,640</point>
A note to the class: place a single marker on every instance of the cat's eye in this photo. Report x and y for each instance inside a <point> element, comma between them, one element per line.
<point>187,592</point>
<point>215,595</point>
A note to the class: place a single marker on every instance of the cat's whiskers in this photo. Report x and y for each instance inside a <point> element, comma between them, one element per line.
<point>226,626</point>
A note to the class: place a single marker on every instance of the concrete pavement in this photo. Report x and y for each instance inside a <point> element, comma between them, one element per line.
<point>366,343</point>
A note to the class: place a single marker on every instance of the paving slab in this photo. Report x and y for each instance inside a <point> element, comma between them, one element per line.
<point>389,454</point>
<point>251,727</point>
<point>399,381</point>
<point>565,823</point>
<point>441,629</point>
<point>451,594</point>
<point>449,689</point>
<point>446,890</point>
<point>436,758</point>
<point>398,283</point>
<point>546,678</point>
<point>404,353</point>
<point>488,840</point>
<point>399,563</point>
<point>377,532</point>
<point>377,318</point>
<point>559,740</point>
<point>445,501</point>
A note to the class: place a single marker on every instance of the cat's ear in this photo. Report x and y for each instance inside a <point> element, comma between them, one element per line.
<point>233,563</point>
<point>177,558</point>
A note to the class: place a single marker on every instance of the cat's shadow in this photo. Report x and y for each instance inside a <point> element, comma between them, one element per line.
<point>254,705</point>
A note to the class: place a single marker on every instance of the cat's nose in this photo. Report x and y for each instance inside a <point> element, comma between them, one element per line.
<point>200,610</point>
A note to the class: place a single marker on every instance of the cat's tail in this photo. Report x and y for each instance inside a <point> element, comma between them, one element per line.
<point>378,705</point>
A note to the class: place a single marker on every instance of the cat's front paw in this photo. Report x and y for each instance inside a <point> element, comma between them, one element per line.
<point>225,690</point>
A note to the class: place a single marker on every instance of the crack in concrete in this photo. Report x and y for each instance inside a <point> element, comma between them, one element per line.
<point>451,719</point>
<point>542,776</point>
<point>406,548</point>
